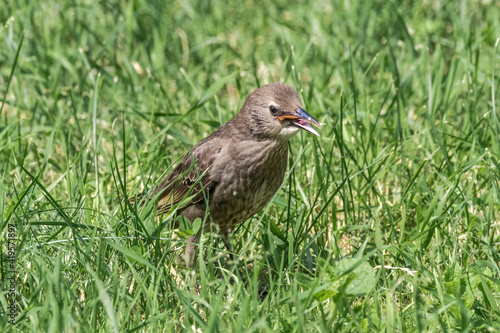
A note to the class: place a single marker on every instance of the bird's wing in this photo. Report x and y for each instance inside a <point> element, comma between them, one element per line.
<point>188,178</point>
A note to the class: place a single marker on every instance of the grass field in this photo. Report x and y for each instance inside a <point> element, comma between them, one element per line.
<point>389,221</point>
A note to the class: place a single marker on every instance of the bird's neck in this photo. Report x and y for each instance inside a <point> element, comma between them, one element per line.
<point>251,128</point>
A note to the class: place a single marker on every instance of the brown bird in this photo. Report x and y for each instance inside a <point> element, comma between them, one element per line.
<point>239,167</point>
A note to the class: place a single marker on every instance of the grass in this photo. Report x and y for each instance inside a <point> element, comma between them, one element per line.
<point>387,222</point>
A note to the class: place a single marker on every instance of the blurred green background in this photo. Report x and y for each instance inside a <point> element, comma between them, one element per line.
<point>387,222</point>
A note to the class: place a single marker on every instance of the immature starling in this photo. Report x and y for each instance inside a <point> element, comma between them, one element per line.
<point>240,166</point>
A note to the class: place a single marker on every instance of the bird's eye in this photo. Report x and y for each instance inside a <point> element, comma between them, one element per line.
<point>273,109</point>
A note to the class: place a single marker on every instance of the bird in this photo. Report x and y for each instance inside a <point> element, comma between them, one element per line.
<point>238,168</point>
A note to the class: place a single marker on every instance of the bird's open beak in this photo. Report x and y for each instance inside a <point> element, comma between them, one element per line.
<point>301,119</point>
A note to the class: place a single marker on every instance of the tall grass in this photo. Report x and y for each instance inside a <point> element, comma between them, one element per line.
<point>101,99</point>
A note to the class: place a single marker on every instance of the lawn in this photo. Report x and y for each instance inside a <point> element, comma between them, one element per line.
<point>387,222</point>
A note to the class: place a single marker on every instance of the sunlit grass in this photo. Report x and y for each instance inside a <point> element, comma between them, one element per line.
<point>104,98</point>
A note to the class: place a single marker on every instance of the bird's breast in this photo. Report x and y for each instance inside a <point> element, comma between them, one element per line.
<point>252,174</point>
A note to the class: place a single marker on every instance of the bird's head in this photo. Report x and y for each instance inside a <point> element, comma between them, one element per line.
<point>275,111</point>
